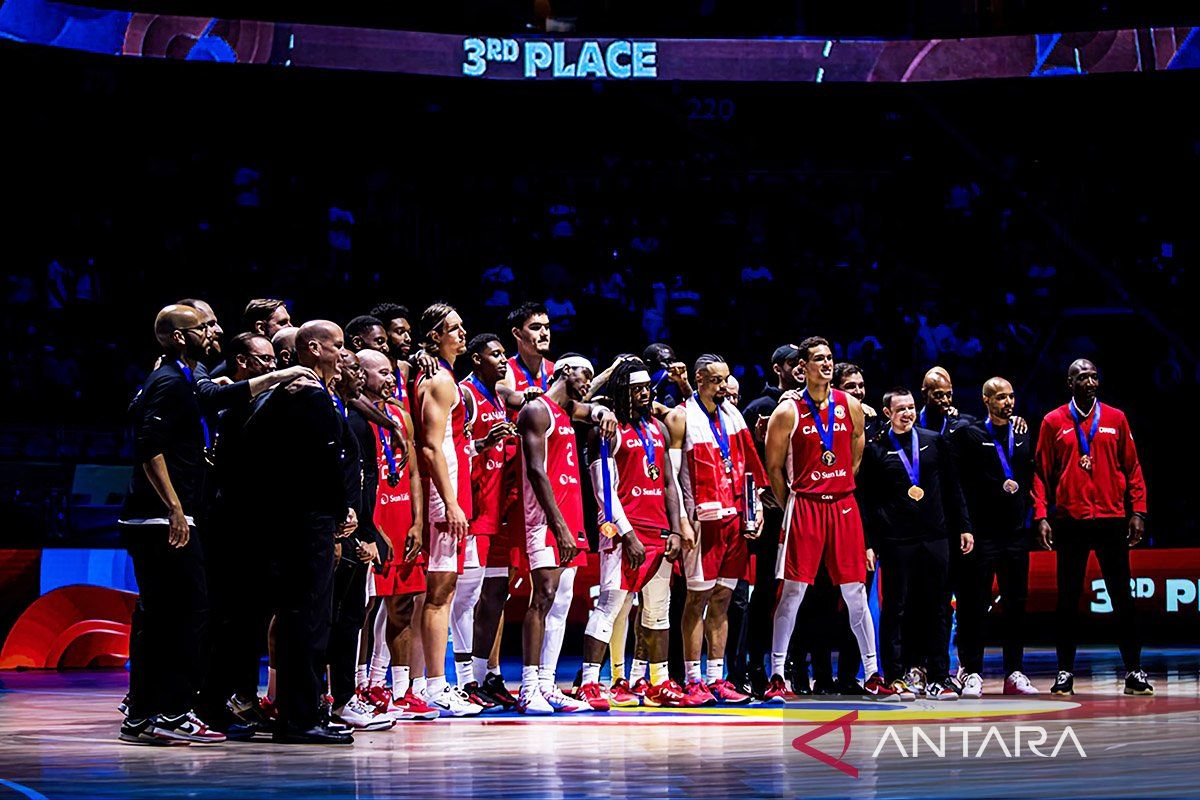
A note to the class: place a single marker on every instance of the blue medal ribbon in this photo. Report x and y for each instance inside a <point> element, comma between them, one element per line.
<point>607,479</point>
<point>385,440</point>
<point>483,390</point>
<point>924,424</point>
<point>825,432</point>
<point>718,428</point>
<point>191,379</point>
<point>338,404</point>
<point>1005,457</point>
<point>541,376</point>
<point>647,440</point>
<point>911,466</point>
<point>1085,442</point>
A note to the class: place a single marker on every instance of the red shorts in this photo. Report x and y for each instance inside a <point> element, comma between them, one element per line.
<point>816,530</point>
<point>720,553</point>
<point>505,548</point>
<point>615,572</point>
<point>398,577</point>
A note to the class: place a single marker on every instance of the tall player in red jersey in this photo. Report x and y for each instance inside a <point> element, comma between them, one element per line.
<point>473,622</point>
<point>640,531</point>
<point>718,455</point>
<point>529,371</point>
<point>445,448</point>
<point>814,447</point>
<point>555,541</point>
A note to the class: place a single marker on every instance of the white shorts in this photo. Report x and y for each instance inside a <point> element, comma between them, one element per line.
<point>542,549</point>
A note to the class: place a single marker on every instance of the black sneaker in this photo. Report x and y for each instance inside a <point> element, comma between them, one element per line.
<point>123,707</point>
<point>140,731</point>
<point>186,728</point>
<point>1064,684</point>
<point>481,698</point>
<point>493,684</point>
<point>1136,683</point>
<point>825,688</point>
<point>952,682</point>
<point>798,678</point>
<point>318,734</point>
<point>759,683</point>
<point>851,688</point>
<point>939,691</point>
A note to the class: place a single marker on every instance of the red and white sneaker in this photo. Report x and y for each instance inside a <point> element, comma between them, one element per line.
<point>1017,683</point>
<point>877,688</point>
<point>184,728</point>
<point>777,692</point>
<point>362,716</point>
<point>698,694</point>
<point>411,707</point>
<point>621,696</point>
<point>727,694</point>
<point>268,709</point>
<point>532,702</point>
<point>563,704</point>
<point>380,698</point>
<point>667,694</point>
<point>481,698</point>
<point>594,695</point>
<point>641,686</point>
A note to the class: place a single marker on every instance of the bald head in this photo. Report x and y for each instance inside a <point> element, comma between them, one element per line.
<point>1083,381</point>
<point>370,358</point>
<point>378,375</point>
<point>995,385</point>
<point>284,344</point>
<point>1080,365</point>
<point>999,399</point>
<point>319,345</point>
<point>176,327</point>
<point>936,376</point>
<point>937,390</point>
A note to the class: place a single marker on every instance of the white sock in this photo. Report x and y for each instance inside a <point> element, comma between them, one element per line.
<point>546,677</point>
<point>379,668</point>
<point>637,671</point>
<point>530,681</point>
<point>360,676</point>
<point>855,595</point>
<point>790,598</point>
<point>716,669</point>
<point>437,685</point>
<point>420,686</point>
<point>658,672</point>
<point>400,681</point>
<point>691,671</point>
<point>462,672</point>
<point>591,673</point>
<point>479,669</point>
<point>271,686</point>
<point>493,670</point>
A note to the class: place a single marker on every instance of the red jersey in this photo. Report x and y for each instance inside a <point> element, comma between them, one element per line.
<point>562,467</point>
<point>641,496</point>
<point>1114,487</point>
<point>393,504</point>
<point>806,473</point>
<point>456,449</point>
<point>523,378</point>
<point>487,467</point>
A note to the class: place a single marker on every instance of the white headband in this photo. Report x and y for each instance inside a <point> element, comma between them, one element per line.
<point>574,362</point>
<point>641,376</point>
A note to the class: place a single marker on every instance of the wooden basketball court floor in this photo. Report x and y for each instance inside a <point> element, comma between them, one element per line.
<point>58,740</point>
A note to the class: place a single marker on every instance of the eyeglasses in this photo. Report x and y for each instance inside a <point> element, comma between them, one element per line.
<point>265,360</point>
<point>200,327</point>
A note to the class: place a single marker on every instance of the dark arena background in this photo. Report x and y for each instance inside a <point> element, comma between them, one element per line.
<point>922,185</point>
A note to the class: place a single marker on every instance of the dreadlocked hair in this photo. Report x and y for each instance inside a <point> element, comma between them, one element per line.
<point>617,388</point>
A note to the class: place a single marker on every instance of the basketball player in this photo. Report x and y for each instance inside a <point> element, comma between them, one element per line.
<point>717,456</point>
<point>1088,468</point>
<point>555,542</point>
<point>366,332</point>
<point>814,448</point>
<point>399,575</point>
<point>445,448</point>
<point>529,370</point>
<point>640,533</point>
<point>494,444</point>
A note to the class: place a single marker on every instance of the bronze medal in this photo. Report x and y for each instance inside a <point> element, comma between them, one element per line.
<point>828,458</point>
<point>653,472</point>
<point>1085,461</point>
<point>609,530</point>
<point>393,479</point>
<point>1011,486</point>
<point>916,492</point>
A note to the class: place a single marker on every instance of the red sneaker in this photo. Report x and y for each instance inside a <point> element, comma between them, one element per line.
<point>667,694</point>
<point>411,707</point>
<point>621,696</point>
<point>776,692</point>
<point>593,695</point>
<point>380,698</point>
<point>268,708</point>
<point>726,693</point>
<point>641,687</point>
<point>698,694</point>
<point>878,689</point>
<point>481,699</point>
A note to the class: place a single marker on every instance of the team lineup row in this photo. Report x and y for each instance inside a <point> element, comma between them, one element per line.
<point>411,500</point>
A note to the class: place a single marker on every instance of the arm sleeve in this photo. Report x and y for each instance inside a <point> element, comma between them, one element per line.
<point>1043,471</point>
<point>618,511</point>
<point>1135,483</point>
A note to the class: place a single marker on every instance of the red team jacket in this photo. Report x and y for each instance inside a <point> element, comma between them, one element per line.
<point>1113,488</point>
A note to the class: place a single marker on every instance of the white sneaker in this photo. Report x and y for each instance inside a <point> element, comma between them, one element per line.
<point>973,685</point>
<point>362,717</point>
<point>938,691</point>
<point>1017,683</point>
<point>563,704</point>
<point>533,702</point>
<point>915,678</point>
<point>453,702</point>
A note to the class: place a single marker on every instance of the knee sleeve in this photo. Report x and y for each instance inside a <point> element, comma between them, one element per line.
<point>656,603</point>
<point>790,598</point>
<point>600,622</point>
<point>462,609</point>
<point>556,618</point>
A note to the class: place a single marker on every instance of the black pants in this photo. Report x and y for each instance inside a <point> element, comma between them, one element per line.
<point>736,657</point>
<point>1073,539</point>
<point>1009,566</point>
<point>814,630</point>
<point>760,611</point>
<point>304,552</point>
<point>239,618</point>
<point>915,598</point>
<point>349,613</point>
<point>169,621</point>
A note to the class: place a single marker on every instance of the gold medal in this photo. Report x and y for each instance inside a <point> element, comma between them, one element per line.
<point>1011,486</point>
<point>609,530</point>
<point>828,458</point>
<point>1085,461</point>
<point>916,492</point>
<point>653,472</point>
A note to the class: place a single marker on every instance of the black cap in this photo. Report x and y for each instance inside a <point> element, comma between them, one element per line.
<point>784,352</point>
